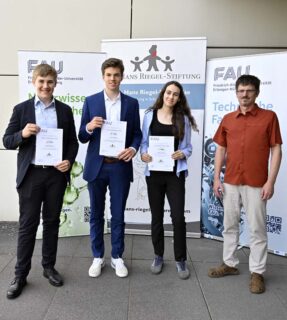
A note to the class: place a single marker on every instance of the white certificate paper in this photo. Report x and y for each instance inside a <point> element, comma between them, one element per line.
<point>49,146</point>
<point>113,138</point>
<point>160,149</point>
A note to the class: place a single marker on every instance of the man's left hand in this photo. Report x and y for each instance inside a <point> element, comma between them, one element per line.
<point>127,154</point>
<point>267,191</point>
<point>63,166</point>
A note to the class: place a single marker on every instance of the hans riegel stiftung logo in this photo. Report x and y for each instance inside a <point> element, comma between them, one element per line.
<point>151,61</point>
<point>153,65</point>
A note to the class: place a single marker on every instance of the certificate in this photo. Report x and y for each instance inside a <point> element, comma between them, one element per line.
<point>113,138</point>
<point>49,146</point>
<point>160,149</point>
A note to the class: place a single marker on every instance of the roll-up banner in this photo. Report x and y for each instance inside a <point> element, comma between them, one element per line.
<point>222,73</point>
<point>79,75</point>
<point>149,64</point>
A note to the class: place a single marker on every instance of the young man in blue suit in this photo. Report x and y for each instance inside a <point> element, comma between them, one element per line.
<point>40,188</point>
<point>102,172</point>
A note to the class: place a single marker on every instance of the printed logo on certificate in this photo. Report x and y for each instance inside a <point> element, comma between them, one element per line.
<point>113,138</point>
<point>160,149</point>
<point>49,146</point>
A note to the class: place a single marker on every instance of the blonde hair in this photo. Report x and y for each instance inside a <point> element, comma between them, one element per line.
<point>44,70</point>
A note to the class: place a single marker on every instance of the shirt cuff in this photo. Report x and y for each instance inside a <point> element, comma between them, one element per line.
<point>89,132</point>
<point>134,149</point>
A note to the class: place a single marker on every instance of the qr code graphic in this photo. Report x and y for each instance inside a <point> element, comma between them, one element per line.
<point>87,212</point>
<point>274,224</point>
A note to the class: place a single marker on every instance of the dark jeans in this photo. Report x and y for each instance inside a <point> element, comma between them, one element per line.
<point>160,184</point>
<point>41,191</point>
<point>114,177</point>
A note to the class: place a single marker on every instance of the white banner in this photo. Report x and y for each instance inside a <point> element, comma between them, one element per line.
<point>149,64</point>
<point>222,73</point>
<point>79,75</point>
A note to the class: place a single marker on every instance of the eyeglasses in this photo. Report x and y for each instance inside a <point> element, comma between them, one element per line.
<point>241,92</point>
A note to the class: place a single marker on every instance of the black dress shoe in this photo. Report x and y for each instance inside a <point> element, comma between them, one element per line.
<point>16,288</point>
<point>54,277</point>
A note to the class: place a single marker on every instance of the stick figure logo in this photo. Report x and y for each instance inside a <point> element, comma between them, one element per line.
<point>151,61</point>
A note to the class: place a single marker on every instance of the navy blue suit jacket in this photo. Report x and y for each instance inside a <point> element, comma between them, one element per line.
<point>24,113</point>
<point>94,106</point>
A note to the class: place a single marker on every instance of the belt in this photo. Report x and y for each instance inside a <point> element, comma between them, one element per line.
<point>37,166</point>
<point>110,160</point>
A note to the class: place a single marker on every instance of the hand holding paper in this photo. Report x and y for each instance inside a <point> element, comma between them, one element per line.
<point>113,138</point>
<point>49,146</point>
<point>30,129</point>
<point>127,154</point>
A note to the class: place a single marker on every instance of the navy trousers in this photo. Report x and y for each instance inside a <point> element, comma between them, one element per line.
<point>114,177</point>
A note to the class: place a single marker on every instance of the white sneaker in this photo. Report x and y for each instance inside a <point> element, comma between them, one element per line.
<point>96,267</point>
<point>119,266</point>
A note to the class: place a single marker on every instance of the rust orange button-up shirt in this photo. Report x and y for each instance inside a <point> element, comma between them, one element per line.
<point>248,139</point>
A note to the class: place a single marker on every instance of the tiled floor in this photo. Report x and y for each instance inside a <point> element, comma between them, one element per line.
<point>141,295</point>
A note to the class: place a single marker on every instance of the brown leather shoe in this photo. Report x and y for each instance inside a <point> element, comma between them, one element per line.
<point>256,284</point>
<point>222,271</point>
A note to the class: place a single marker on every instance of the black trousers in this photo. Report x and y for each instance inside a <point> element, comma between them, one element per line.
<point>160,184</point>
<point>41,191</point>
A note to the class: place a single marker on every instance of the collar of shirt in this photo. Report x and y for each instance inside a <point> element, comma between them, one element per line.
<point>38,102</point>
<point>46,116</point>
<point>253,111</point>
<point>113,107</point>
<point>109,99</point>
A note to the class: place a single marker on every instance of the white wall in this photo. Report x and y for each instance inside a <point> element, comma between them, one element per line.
<point>224,22</point>
<point>79,25</point>
<point>9,196</point>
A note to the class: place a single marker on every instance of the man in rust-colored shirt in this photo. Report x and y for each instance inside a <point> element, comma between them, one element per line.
<point>245,139</point>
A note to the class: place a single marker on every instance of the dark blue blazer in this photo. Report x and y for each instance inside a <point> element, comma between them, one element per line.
<point>24,113</point>
<point>94,106</point>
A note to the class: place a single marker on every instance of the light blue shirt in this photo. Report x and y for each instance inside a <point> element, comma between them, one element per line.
<point>46,116</point>
<point>184,144</point>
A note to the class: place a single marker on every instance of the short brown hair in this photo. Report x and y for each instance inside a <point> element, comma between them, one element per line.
<point>44,70</point>
<point>113,63</point>
<point>247,79</point>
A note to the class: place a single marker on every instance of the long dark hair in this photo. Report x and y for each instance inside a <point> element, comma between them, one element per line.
<point>180,110</point>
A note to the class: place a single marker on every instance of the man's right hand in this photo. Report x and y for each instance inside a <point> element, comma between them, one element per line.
<point>146,158</point>
<point>218,188</point>
<point>30,129</point>
<point>96,122</point>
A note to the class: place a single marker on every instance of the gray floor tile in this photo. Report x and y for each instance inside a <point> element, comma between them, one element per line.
<point>8,238</point>
<point>105,297</point>
<point>229,297</point>
<point>8,247</point>
<point>36,298</point>
<point>5,259</point>
<point>276,281</point>
<point>142,295</point>
<point>164,296</point>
